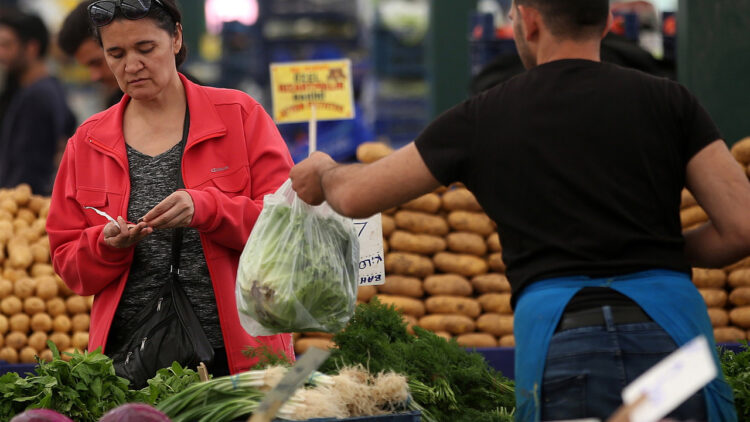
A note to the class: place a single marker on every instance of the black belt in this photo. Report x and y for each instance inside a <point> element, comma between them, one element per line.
<point>595,317</point>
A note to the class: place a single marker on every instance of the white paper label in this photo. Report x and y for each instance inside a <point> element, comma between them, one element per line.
<point>371,256</point>
<point>668,384</point>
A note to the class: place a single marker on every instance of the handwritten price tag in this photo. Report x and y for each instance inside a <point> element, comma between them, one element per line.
<point>371,256</point>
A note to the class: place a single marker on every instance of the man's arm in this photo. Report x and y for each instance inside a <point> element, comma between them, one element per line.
<point>361,190</point>
<point>721,187</point>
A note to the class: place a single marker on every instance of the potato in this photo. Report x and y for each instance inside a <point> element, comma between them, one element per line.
<point>316,334</point>
<point>739,277</point>
<point>19,253</point>
<point>491,283</point>
<point>4,325</point>
<point>38,340</point>
<point>296,336</point>
<point>743,263</point>
<point>693,215</point>
<point>364,294</point>
<point>443,334</point>
<point>402,286</point>
<point>496,262</point>
<point>6,288</point>
<point>61,324</point>
<point>56,306</point>
<point>741,151</point>
<point>6,230</point>
<point>453,305</point>
<point>9,205</point>
<point>66,354</point>
<point>429,203</point>
<point>447,284</point>
<point>9,354</point>
<point>21,194</point>
<point>729,335</point>
<point>403,304</point>
<point>27,355</point>
<point>34,305</point>
<point>76,305</point>
<point>11,305</point>
<point>89,301</point>
<point>740,296</point>
<point>80,340</point>
<point>369,152</point>
<point>476,340</point>
<point>454,324</point>
<point>62,288</point>
<point>38,270</point>
<point>61,340</point>
<point>410,323</point>
<point>419,222</point>
<point>16,340</point>
<point>495,324</point>
<point>475,222</point>
<point>424,244</point>
<point>460,199</point>
<point>687,200</point>
<point>466,265</point>
<point>402,263</point>
<point>14,274</point>
<point>498,303</point>
<point>26,214</point>
<point>740,317</point>
<point>19,226</point>
<point>719,317</point>
<point>714,298</point>
<point>466,242</point>
<point>24,288</point>
<point>46,355</point>
<point>36,203</point>
<point>40,253</point>
<point>493,243</point>
<point>45,209</point>
<point>301,345</point>
<point>507,341</point>
<point>388,224</point>
<point>709,279</point>
<point>6,216</point>
<point>386,248</point>
<point>20,323</point>
<point>46,287</point>
<point>41,322</point>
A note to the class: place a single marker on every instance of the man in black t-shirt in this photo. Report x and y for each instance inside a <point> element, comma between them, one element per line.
<point>581,165</point>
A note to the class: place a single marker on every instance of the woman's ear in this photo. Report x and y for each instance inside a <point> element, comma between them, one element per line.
<point>177,44</point>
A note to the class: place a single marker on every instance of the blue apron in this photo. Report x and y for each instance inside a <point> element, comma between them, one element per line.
<point>668,297</point>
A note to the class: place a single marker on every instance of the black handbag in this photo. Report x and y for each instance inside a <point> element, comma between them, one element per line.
<point>169,330</point>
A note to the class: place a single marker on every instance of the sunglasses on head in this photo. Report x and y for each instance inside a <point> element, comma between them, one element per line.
<point>103,11</point>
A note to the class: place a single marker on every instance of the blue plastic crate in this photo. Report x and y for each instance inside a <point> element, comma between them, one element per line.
<point>20,368</point>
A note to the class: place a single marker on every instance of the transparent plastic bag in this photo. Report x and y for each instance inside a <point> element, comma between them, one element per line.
<point>298,271</point>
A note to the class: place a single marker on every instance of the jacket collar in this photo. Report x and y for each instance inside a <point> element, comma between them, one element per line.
<point>204,119</point>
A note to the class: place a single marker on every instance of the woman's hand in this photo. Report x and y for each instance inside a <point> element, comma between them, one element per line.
<point>125,235</point>
<point>176,210</point>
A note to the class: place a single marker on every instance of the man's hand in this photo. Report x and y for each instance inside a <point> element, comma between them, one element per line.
<point>307,177</point>
<point>126,235</point>
<point>176,210</point>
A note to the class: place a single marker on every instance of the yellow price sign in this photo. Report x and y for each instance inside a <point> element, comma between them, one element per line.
<point>298,86</point>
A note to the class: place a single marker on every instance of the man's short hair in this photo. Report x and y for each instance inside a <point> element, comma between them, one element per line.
<point>27,27</point>
<point>573,19</point>
<point>76,29</point>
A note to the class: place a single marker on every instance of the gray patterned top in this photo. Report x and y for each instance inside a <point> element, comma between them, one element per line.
<point>152,179</point>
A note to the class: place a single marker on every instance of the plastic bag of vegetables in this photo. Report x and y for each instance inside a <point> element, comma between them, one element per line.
<point>298,271</point>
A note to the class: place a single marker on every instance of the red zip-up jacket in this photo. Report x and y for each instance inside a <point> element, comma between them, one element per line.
<point>233,157</point>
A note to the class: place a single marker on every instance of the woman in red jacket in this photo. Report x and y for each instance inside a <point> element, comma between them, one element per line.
<point>126,161</point>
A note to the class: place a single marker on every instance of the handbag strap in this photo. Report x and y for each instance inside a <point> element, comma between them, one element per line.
<point>177,233</point>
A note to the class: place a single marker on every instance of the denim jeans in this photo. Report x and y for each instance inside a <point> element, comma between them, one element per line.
<point>588,367</point>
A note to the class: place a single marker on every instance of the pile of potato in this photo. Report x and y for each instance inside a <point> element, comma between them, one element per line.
<point>35,305</point>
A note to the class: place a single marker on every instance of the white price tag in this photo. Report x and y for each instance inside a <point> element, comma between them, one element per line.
<point>668,384</point>
<point>371,256</point>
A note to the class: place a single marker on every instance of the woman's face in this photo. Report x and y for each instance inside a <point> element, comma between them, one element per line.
<point>141,55</point>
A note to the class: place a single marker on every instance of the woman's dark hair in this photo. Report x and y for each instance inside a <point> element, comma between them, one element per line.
<point>166,16</point>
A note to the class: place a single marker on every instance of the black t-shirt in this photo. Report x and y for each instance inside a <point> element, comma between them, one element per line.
<point>580,164</point>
